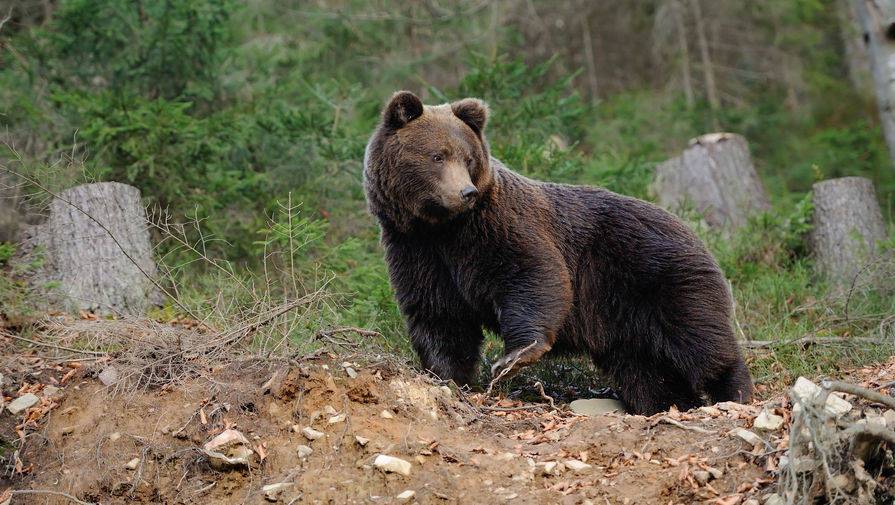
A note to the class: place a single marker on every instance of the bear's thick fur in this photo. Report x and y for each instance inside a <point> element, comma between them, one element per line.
<point>550,267</point>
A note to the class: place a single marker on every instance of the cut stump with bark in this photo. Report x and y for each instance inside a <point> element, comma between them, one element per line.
<point>716,176</point>
<point>848,224</point>
<point>93,252</point>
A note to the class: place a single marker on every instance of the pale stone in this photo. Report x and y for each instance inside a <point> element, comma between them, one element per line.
<point>701,477</point>
<point>311,433</point>
<point>338,418</point>
<point>774,499</point>
<point>272,492</point>
<point>806,391</point>
<point>22,403</point>
<point>406,495</point>
<point>747,436</point>
<point>304,451</point>
<point>386,414</point>
<point>597,406</point>
<point>361,441</point>
<point>577,466</point>
<point>229,449</point>
<point>767,421</point>
<point>391,464</point>
<point>108,376</point>
<point>133,464</point>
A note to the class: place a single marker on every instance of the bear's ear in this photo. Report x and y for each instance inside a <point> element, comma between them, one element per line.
<point>403,108</point>
<point>473,112</point>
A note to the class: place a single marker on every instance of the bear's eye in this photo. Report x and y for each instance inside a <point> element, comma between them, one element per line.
<point>437,158</point>
<point>468,162</point>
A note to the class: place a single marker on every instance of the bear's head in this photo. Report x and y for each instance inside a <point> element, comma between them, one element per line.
<point>425,163</point>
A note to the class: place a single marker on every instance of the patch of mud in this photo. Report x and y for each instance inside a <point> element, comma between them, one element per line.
<point>462,449</point>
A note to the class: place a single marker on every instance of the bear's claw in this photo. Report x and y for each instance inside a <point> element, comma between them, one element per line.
<point>512,363</point>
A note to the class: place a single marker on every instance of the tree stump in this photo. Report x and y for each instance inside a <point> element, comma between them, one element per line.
<point>716,175</point>
<point>848,224</point>
<point>82,265</point>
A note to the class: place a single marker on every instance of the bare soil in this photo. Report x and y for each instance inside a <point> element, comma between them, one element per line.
<point>463,448</point>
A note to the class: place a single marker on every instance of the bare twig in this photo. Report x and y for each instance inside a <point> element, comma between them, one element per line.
<point>530,406</point>
<point>870,430</point>
<point>867,394</point>
<point>673,422</point>
<point>52,346</point>
<point>49,492</point>
<point>762,344</point>
<point>545,396</point>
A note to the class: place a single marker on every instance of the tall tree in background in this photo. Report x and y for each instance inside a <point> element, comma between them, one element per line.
<point>877,22</point>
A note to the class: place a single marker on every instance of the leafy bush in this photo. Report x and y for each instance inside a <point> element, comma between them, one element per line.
<point>166,49</point>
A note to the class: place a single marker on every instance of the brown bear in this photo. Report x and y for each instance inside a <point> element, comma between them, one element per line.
<point>549,267</point>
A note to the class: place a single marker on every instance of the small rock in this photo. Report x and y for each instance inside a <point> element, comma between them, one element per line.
<point>751,501</point>
<point>391,464</point>
<point>49,391</point>
<point>228,450</point>
<point>774,499</point>
<point>747,436</point>
<point>767,421</point>
<point>549,468</point>
<point>133,464</point>
<point>712,411</point>
<point>338,418</point>
<point>351,373</point>
<point>577,466</point>
<point>701,476</point>
<point>114,436</point>
<point>272,492</point>
<point>311,433</point>
<point>361,441</point>
<point>267,386</point>
<point>505,456</point>
<point>109,376</point>
<point>304,451</point>
<point>329,410</point>
<point>715,473</point>
<point>386,414</point>
<point>22,403</point>
<point>406,495</point>
<point>68,430</point>
<point>806,391</point>
<point>597,406</point>
<point>889,416</point>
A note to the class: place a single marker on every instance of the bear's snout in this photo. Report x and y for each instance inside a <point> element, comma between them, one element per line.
<point>469,194</point>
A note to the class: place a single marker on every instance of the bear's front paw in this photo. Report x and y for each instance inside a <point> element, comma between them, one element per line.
<point>512,363</point>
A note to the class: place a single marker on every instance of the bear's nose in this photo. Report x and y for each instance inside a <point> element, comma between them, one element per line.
<point>468,194</point>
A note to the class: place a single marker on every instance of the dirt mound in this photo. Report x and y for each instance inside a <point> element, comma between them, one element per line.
<point>313,430</point>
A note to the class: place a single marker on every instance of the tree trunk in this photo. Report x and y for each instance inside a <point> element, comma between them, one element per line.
<point>588,43</point>
<point>716,175</point>
<point>848,224</point>
<point>102,268</point>
<point>708,71</point>
<point>686,75</point>
<point>856,56</point>
<point>877,20</point>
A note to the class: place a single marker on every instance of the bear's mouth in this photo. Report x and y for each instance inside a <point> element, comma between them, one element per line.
<point>434,210</point>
